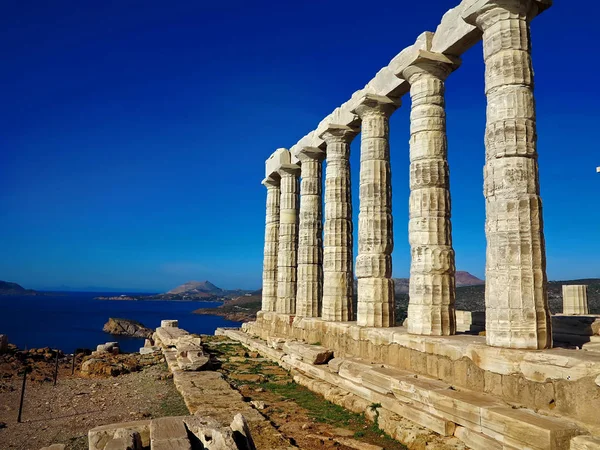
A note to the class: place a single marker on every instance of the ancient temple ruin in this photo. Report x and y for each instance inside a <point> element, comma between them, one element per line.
<point>308,267</point>
<point>509,389</point>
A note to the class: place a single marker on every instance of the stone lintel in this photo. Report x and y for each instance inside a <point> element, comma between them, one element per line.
<point>386,83</point>
<point>279,157</point>
<point>382,103</point>
<point>454,36</point>
<point>473,8</point>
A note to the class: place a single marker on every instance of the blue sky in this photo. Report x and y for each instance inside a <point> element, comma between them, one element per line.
<point>134,133</point>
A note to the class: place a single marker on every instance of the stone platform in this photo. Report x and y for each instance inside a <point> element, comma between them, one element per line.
<point>558,383</point>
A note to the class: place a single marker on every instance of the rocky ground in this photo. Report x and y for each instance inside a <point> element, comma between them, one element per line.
<point>64,413</point>
<point>305,418</point>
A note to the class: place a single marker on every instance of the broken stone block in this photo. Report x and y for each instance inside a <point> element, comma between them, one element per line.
<point>109,347</point>
<point>241,433</point>
<point>585,442</point>
<point>311,354</point>
<point>130,438</point>
<point>99,436</point>
<point>169,323</point>
<point>149,350</point>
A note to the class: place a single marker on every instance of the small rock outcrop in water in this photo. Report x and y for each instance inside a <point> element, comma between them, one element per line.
<point>127,327</point>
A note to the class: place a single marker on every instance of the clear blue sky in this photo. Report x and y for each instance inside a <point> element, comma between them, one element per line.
<point>134,133</point>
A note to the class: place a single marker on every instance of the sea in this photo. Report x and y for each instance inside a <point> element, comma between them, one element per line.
<point>71,320</point>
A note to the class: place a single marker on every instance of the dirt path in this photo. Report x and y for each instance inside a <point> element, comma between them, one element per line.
<point>64,413</point>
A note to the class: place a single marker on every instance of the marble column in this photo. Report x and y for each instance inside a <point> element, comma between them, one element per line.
<point>310,234</point>
<point>517,314</point>
<point>575,302</point>
<point>432,285</point>
<point>338,277</point>
<point>269,284</point>
<point>376,301</point>
<point>287,255</point>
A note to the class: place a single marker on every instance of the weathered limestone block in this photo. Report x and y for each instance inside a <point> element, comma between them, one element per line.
<point>149,350</point>
<point>269,285</point>
<point>125,439</point>
<point>168,336</point>
<point>310,234</point>
<point>109,347</point>
<point>522,428</point>
<point>169,433</point>
<point>517,314</point>
<point>585,442</point>
<point>432,282</point>
<point>287,253</point>
<point>98,437</point>
<point>169,323</point>
<point>338,277</point>
<point>312,354</point>
<point>3,343</point>
<point>241,432</point>
<point>376,301</point>
<point>575,300</point>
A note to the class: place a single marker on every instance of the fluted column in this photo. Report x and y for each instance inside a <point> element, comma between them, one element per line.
<point>338,278</point>
<point>269,284</point>
<point>310,234</point>
<point>432,269</point>
<point>376,302</point>
<point>517,314</point>
<point>287,257</point>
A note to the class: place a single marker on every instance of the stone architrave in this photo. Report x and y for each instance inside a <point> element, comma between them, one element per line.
<point>432,284</point>
<point>338,277</point>
<point>269,284</point>
<point>517,314</point>
<point>375,290</point>
<point>575,301</point>
<point>310,234</point>
<point>287,254</point>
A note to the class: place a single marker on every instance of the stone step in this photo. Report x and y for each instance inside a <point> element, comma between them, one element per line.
<point>481,419</point>
<point>169,433</point>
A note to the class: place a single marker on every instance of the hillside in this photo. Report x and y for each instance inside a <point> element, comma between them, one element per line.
<point>200,291</point>
<point>472,298</point>
<point>8,288</point>
<point>462,279</point>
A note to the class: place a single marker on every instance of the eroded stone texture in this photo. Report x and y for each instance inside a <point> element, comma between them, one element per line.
<point>310,234</point>
<point>269,285</point>
<point>287,254</point>
<point>575,300</point>
<point>375,228</point>
<point>432,284</point>
<point>338,278</point>
<point>517,314</point>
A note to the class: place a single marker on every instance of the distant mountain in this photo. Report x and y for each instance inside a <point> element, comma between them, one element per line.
<point>8,288</point>
<point>197,287</point>
<point>462,279</point>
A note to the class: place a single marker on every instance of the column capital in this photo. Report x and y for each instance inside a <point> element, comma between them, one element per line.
<point>289,169</point>
<point>475,13</point>
<point>434,64</point>
<point>272,181</point>
<point>310,154</point>
<point>376,104</point>
<point>339,133</point>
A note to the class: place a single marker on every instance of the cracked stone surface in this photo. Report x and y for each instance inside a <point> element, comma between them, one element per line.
<point>376,302</point>
<point>310,235</point>
<point>517,314</point>
<point>338,276</point>
<point>269,292</point>
<point>432,270</point>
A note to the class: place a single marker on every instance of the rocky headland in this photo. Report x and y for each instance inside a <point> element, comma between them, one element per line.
<point>126,327</point>
<point>9,288</point>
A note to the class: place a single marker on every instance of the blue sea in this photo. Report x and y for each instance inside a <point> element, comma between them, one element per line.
<point>71,320</point>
